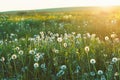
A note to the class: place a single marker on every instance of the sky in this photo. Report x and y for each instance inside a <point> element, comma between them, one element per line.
<point>11,5</point>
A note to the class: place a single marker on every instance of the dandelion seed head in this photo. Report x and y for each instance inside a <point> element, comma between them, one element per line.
<point>31,52</point>
<point>113,35</point>
<point>20,52</point>
<point>92,61</point>
<point>2,59</point>
<point>59,39</point>
<point>100,72</point>
<point>14,56</point>
<point>106,38</point>
<point>92,73</point>
<point>43,66</point>
<point>60,73</point>
<point>65,45</point>
<point>114,59</point>
<point>63,67</point>
<point>36,65</point>
<point>87,49</point>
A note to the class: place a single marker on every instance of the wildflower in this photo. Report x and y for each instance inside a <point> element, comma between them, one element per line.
<point>36,65</point>
<point>17,48</point>
<point>14,56</point>
<point>92,61</point>
<point>31,52</point>
<point>87,49</point>
<point>106,38</point>
<point>41,33</point>
<point>36,59</point>
<point>43,66</point>
<point>20,52</point>
<point>100,72</point>
<point>60,73</point>
<point>114,60</point>
<point>63,67</point>
<point>2,59</point>
<point>92,73</point>
<point>59,39</point>
<point>55,50</point>
<point>113,35</point>
<point>65,45</point>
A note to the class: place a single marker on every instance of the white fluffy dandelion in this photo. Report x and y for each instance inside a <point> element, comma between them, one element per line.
<point>113,35</point>
<point>43,66</point>
<point>2,59</point>
<point>60,73</point>
<point>114,59</point>
<point>100,72</point>
<point>92,61</point>
<point>31,52</point>
<point>36,65</point>
<point>65,45</point>
<point>59,39</point>
<point>87,49</point>
<point>92,73</point>
<point>106,38</point>
<point>20,52</point>
<point>63,67</point>
<point>14,56</point>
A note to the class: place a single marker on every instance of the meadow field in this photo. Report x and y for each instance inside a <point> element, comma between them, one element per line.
<point>60,44</point>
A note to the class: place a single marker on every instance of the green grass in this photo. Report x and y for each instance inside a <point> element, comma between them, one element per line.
<point>81,44</point>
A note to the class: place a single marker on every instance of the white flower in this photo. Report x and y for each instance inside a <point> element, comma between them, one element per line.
<point>113,35</point>
<point>114,60</point>
<point>59,39</point>
<point>14,56</point>
<point>36,65</point>
<point>63,67</point>
<point>92,61</point>
<point>2,59</point>
<point>31,52</point>
<point>41,33</point>
<point>17,48</point>
<point>65,45</point>
<point>100,72</point>
<point>20,52</point>
<point>106,38</point>
<point>43,66</point>
<point>87,49</point>
<point>56,50</point>
<point>60,73</point>
<point>36,59</point>
<point>92,73</point>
